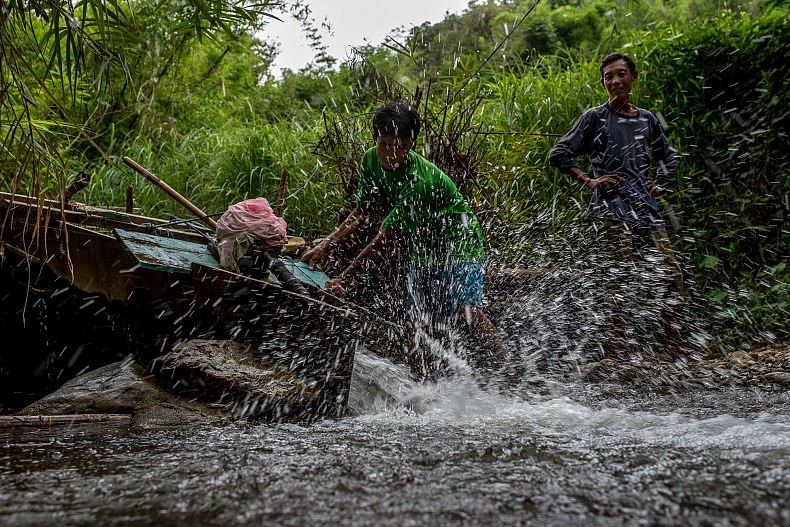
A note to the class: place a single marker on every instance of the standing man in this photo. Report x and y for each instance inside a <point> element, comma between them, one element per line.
<point>422,205</point>
<point>622,142</point>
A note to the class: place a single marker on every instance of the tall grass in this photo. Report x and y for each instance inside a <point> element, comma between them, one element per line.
<point>215,168</point>
<point>719,85</point>
<point>532,213</point>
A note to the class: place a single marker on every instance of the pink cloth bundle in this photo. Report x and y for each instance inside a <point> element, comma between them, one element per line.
<point>251,216</point>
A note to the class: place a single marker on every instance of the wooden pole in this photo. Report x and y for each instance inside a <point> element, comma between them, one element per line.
<point>130,199</point>
<point>79,183</point>
<point>172,193</point>
<point>12,421</point>
<point>278,206</point>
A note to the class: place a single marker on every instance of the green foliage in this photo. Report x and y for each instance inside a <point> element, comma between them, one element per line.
<point>184,89</point>
<point>215,167</point>
<point>582,26</point>
<point>437,50</point>
<point>720,87</point>
<point>537,36</point>
<point>54,54</point>
<point>534,211</point>
<point>733,85</point>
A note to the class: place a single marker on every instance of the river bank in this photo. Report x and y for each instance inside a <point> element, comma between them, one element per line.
<point>766,368</point>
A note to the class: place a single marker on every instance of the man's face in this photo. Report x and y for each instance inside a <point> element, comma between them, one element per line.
<point>392,151</point>
<point>617,79</point>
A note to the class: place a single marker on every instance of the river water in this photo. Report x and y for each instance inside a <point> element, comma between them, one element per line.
<point>437,454</point>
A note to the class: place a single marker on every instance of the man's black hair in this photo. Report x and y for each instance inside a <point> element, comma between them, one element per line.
<point>614,57</point>
<point>397,119</point>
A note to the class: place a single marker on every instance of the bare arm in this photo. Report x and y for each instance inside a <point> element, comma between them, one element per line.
<point>607,182</point>
<point>318,255</point>
<point>371,255</point>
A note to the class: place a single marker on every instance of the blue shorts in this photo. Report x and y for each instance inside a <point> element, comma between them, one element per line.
<point>441,291</point>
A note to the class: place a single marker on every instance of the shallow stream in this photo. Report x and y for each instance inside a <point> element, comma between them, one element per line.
<point>437,454</point>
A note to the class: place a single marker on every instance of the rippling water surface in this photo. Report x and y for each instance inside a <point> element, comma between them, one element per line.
<point>446,454</point>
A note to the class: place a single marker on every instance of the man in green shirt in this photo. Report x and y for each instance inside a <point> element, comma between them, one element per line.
<point>420,204</point>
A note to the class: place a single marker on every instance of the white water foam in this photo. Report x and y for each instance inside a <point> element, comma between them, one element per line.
<point>383,391</point>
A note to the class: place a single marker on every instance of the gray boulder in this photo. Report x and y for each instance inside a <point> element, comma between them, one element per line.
<point>238,378</point>
<point>123,388</point>
<point>197,382</point>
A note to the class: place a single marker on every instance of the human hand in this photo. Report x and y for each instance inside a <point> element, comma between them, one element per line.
<point>608,183</point>
<point>337,287</point>
<point>318,255</point>
<point>654,190</point>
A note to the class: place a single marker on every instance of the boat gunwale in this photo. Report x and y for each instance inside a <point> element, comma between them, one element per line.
<point>81,217</point>
<point>79,214</point>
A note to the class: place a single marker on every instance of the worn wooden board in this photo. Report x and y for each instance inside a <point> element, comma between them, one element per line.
<point>13,421</point>
<point>302,272</point>
<point>165,254</point>
<point>176,256</point>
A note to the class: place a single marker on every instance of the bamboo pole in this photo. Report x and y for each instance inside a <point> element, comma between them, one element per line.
<point>172,193</point>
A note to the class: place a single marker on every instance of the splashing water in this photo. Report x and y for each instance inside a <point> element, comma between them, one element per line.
<point>438,453</point>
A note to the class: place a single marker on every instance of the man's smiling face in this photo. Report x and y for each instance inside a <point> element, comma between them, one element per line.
<point>617,78</point>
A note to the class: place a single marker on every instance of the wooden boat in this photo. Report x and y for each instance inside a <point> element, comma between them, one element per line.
<point>84,286</point>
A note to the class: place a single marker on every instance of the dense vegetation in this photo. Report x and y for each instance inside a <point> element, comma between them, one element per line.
<point>185,90</point>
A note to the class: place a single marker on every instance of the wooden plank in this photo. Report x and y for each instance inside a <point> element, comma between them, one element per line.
<point>87,216</point>
<point>165,254</point>
<point>302,271</point>
<point>12,421</point>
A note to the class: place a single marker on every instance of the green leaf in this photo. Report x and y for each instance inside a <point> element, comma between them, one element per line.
<point>709,262</point>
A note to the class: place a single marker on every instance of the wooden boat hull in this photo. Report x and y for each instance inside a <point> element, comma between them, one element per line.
<point>78,298</point>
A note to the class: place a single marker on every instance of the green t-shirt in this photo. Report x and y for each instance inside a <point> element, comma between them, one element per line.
<point>425,204</point>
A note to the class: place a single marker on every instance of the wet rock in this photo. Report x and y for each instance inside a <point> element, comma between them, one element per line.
<point>237,378</point>
<point>779,377</point>
<point>766,368</point>
<point>197,382</point>
<point>123,387</point>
